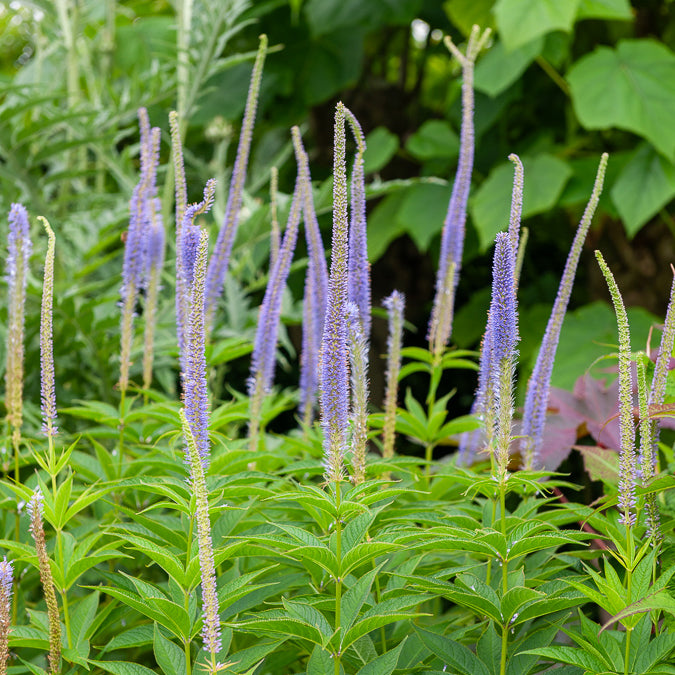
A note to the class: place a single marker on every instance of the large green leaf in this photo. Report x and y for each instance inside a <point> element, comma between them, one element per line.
<point>499,68</point>
<point>385,664</point>
<point>520,21</point>
<point>381,147</point>
<point>605,9</point>
<point>169,656</point>
<point>461,658</point>
<point>545,178</point>
<point>123,668</point>
<point>435,138</point>
<point>468,13</point>
<point>646,184</point>
<point>422,212</point>
<point>627,87</point>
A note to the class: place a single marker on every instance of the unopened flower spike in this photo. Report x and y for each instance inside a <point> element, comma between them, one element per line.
<point>516,206</point>
<point>334,367</point>
<point>211,613</point>
<point>316,291</point>
<point>627,458</point>
<point>195,389</point>
<point>504,337</point>
<point>187,248</point>
<point>47,379</point>
<point>394,305</point>
<point>358,359</point>
<point>38,532</point>
<point>359,267</point>
<point>19,250</point>
<point>538,386</point>
<point>6,582</point>
<point>452,238</point>
<point>220,260</point>
<point>265,346</point>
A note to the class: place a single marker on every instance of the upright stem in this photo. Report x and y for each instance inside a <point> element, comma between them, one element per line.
<point>120,459</point>
<point>338,580</point>
<point>505,578</point>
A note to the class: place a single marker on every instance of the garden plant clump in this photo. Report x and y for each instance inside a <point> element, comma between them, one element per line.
<point>181,519</point>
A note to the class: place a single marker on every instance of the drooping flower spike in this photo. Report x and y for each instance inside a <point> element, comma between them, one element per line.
<point>452,238</point>
<point>334,367</point>
<point>47,378</point>
<point>358,360</point>
<point>538,386</point>
<point>220,259</point>
<point>627,456</point>
<point>394,305</point>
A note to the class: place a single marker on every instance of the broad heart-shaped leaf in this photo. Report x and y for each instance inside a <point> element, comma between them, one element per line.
<point>169,656</point>
<point>519,21</point>
<point>627,87</point>
<point>545,178</point>
<point>646,184</point>
<point>381,146</point>
<point>460,658</point>
<point>422,212</point>
<point>435,138</point>
<point>499,68</point>
<point>605,9</point>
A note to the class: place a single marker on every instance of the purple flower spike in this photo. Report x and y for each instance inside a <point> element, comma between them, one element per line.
<point>47,379</point>
<point>6,581</point>
<point>359,267</point>
<point>538,386</point>
<point>20,247</point>
<point>452,238</point>
<point>334,369</point>
<point>394,305</point>
<point>358,360</point>
<point>220,260</point>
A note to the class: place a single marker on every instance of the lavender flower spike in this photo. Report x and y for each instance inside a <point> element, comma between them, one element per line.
<point>627,458</point>
<point>20,247</point>
<point>358,359</point>
<point>316,291</point>
<point>220,259</point>
<point>452,238</point>
<point>538,386</point>
<point>47,380</point>
<point>504,337</point>
<point>334,369</point>
<point>394,304</point>
<point>195,390</point>
<point>38,532</point>
<point>211,625</point>
<point>264,350</point>
<point>275,233</point>
<point>359,267</point>
<point>6,581</point>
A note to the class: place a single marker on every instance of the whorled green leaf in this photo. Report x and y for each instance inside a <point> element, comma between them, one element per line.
<point>460,658</point>
<point>169,656</point>
<point>627,88</point>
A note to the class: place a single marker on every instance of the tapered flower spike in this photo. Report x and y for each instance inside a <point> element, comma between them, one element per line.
<point>394,304</point>
<point>6,581</point>
<point>473,441</point>
<point>452,238</point>
<point>316,291</point>
<point>38,532</point>
<point>19,249</point>
<point>275,232</point>
<point>646,453</point>
<point>220,260</point>
<point>187,248</point>
<point>358,359</point>
<point>334,368</point>
<point>359,267</point>
<point>265,347</point>
<point>47,379</point>
<point>195,389</point>
<point>627,458</point>
<point>211,613</point>
<point>504,336</point>
<point>539,384</point>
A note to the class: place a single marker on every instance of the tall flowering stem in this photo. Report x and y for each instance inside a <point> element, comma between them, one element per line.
<point>452,238</point>
<point>358,359</point>
<point>538,386</point>
<point>264,349</point>
<point>316,291</point>
<point>504,338</point>
<point>334,367</point>
<point>359,267</point>
<point>275,232</point>
<point>220,259</point>
<point>627,457</point>
<point>6,581</point>
<point>38,532</point>
<point>19,249</point>
<point>394,305</point>
<point>211,612</point>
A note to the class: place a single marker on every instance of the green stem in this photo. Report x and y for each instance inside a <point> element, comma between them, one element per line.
<point>186,644</point>
<point>505,576</point>
<point>120,458</point>
<point>629,590</point>
<point>505,642</point>
<point>338,580</point>
<point>378,597</point>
